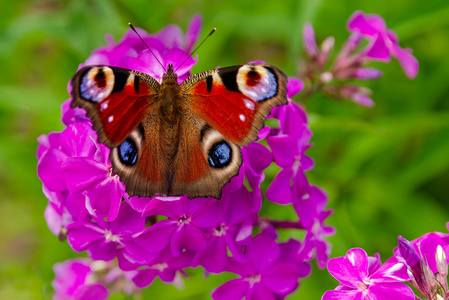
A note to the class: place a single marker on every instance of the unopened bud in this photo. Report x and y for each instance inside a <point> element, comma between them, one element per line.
<point>309,41</point>
<point>326,48</point>
<point>441,261</point>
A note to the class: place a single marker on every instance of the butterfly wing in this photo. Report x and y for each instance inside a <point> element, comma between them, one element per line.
<point>226,109</point>
<point>115,99</point>
<point>236,100</point>
<point>122,106</point>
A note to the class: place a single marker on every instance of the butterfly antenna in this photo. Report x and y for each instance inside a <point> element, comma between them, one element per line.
<point>194,50</point>
<point>134,29</point>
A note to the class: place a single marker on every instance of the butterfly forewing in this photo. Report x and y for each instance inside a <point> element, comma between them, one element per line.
<point>116,100</point>
<point>236,100</point>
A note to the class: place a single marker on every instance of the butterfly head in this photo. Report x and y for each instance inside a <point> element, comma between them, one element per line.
<point>170,78</point>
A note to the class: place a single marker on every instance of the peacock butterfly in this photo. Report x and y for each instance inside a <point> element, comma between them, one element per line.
<point>171,139</point>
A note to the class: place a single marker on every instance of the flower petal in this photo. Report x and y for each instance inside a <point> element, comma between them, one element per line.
<point>233,289</point>
<point>263,251</point>
<point>397,291</point>
<point>350,269</point>
<point>81,235</point>
<point>187,237</point>
<point>82,173</point>
<point>50,171</point>
<point>193,32</point>
<point>344,295</point>
<point>280,190</point>
<point>282,278</point>
<point>408,62</point>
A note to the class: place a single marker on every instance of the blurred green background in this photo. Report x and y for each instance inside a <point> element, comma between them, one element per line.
<point>386,168</point>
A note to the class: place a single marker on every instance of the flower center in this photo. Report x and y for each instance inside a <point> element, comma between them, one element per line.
<point>110,237</point>
<point>160,267</point>
<point>252,280</point>
<point>362,285</point>
<point>184,220</point>
<point>220,230</point>
<point>296,164</point>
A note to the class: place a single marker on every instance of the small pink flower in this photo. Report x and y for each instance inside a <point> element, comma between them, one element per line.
<point>359,280</point>
<point>72,281</point>
<point>383,42</point>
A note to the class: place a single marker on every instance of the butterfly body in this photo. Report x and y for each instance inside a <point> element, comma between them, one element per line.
<point>169,139</point>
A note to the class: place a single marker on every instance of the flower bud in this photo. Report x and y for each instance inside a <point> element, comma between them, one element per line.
<point>309,41</point>
<point>441,261</point>
<point>326,47</point>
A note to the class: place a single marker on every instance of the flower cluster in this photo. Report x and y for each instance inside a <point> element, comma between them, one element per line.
<point>143,238</point>
<point>350,63</point>
<point>422,263</point>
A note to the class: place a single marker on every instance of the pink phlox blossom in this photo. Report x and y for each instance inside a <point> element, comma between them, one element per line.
<point>383,42</point>
<point>312,213</point>
<point>288,148</point>
<point>167,45</point>
<point>72,281</point>
<point>264,276</point>
<point>184,228</point>
<point>361,278</point>
<point>226,230</point>
<point>165,266</point>
<point>107,240</point>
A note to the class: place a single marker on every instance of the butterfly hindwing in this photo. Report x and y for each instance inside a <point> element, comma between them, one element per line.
<point>205,162</point>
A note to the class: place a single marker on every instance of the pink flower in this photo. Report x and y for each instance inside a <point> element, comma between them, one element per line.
<point>72,281</point>
<point>362,277</point>
<point>264,276</point>
<point>383,42</point>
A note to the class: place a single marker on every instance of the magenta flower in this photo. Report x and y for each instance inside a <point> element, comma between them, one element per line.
<point>310,45</point>
<point>351,61</point>
<point>225,230</point>
<point>361,277</point>
<point>426,259</point>
<point>264,276</point>
<point>165,266</point>
<point>103,190</point>
<point>183,230</point>
<point>427,246</point>
<point>107,240</point>
<point>384,42</point>
<point>312,213</point>
<point>288,147</point>
<point>72,281</point>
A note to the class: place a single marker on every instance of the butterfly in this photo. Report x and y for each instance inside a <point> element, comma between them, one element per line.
<point>170,140</point>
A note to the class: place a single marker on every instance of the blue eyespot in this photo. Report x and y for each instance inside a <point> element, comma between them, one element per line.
<point>128,152</point>
<point>220,155</point>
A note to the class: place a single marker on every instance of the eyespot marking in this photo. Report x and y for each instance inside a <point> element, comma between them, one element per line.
<point>252,78</point>
<point>257,82</point>
<point>220,155</point>
<point>127,152</point>
<point>96,84</point>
